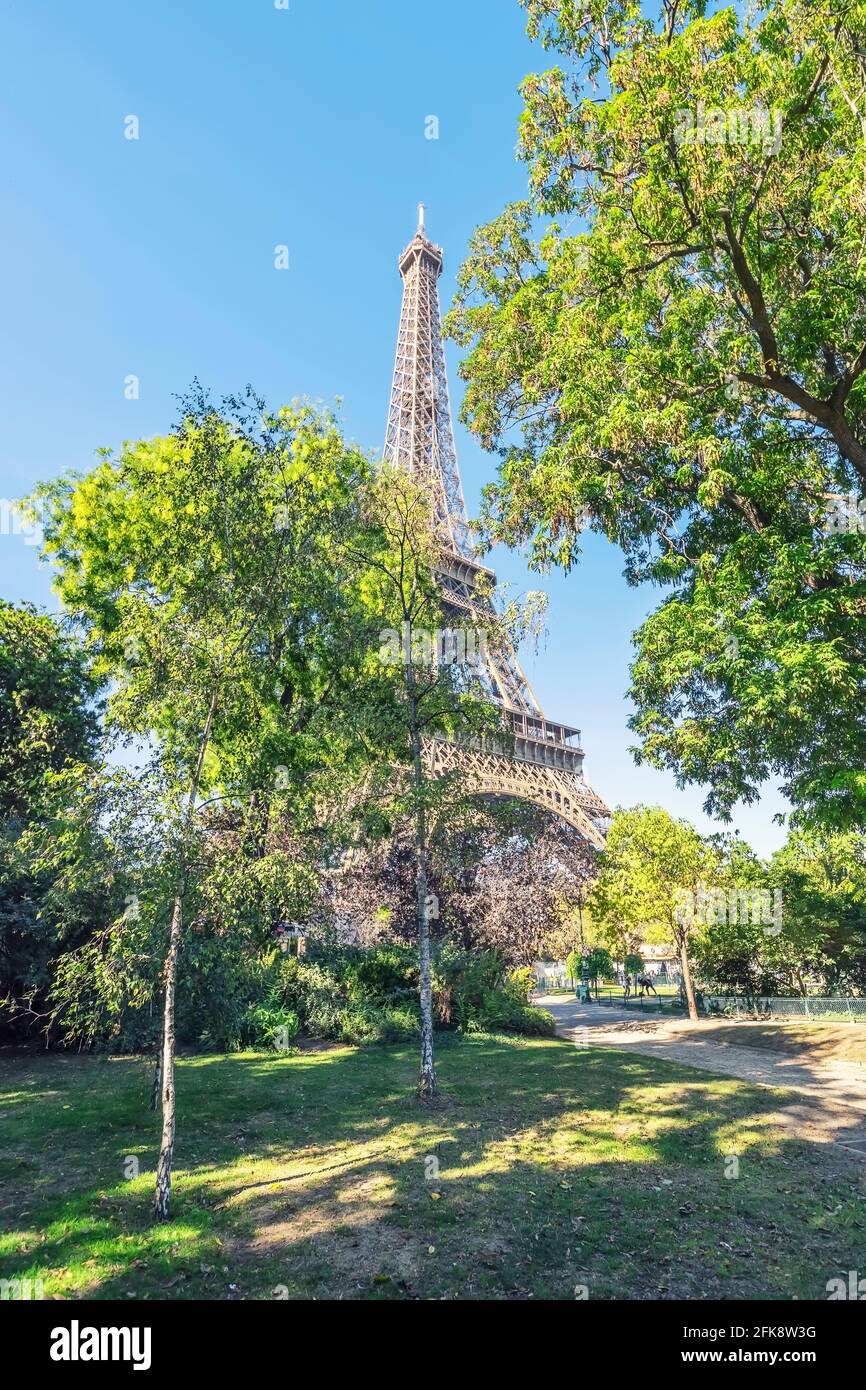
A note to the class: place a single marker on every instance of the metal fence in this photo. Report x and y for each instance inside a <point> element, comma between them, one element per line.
<point>645,1003</point>
<point>804,1006</point>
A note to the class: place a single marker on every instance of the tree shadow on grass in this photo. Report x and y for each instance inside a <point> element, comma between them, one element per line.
<point>547,1168</point>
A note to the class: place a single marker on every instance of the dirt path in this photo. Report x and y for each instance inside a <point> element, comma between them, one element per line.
<point>828,1100</point>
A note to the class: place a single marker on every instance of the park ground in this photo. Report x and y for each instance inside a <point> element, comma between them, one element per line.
<point>547,1170</point>
<point>820,1066</point>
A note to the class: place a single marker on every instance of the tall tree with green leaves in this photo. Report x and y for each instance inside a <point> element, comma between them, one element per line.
<point>439,692</point>
<point>651,875</point>
<point>821,880</point>
<point>49,723</point>
<point>667,344</point>
<point>49,716</point>
<point>794,926</point>
<point>208,571</point>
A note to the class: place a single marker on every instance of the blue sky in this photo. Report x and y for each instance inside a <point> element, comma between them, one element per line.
<point>154,257</point>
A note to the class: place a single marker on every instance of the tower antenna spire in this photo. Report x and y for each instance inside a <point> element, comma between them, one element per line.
<point>421,218</point>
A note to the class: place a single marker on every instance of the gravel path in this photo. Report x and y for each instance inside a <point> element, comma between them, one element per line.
<point>828,1098</point>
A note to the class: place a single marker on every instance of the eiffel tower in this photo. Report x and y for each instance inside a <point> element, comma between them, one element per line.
<point>545,765</point>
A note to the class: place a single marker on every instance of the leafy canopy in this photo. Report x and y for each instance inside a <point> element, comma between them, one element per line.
<point>667,344</point>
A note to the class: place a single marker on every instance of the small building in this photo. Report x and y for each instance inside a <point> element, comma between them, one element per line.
<point>551,974</point>
<point>660,961</point>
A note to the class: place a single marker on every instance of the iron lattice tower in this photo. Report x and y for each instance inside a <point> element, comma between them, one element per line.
<point>546,764</point>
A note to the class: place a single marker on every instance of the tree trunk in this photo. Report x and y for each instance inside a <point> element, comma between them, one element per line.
<point>687,977</point>
<point>428,1086</point>
<point>157,1076</point>
<point>166,1148</point>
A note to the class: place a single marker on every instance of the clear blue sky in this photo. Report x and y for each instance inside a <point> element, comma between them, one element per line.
<point>155,257</point>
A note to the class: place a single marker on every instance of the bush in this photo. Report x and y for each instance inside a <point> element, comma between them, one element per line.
<point>371,1023</point>
<point>236,998</point>
<point>271,1025</point>
<point>462,981</point>
<point>518,984</point>
<point>383,972</point>
<point>354,996</point>
<point>365,996</point>
<point>500,1013</point>
<point>482,997</point>
<point>315,994</point>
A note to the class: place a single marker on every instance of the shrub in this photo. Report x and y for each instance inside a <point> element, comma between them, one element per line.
<point>462,980</point>
<point>501,1013</point>
<point>354,996</point>
<point>233,998</point>
<point>371,1023</point>
<point>315,993</point>
<point>484,998</point>
<point>518,984</point>
<point>383,972</point>
<point>271,1025</point>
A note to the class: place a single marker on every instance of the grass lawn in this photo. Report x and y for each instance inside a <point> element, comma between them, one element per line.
<point>316,1176</point>
<point>822,1042</point>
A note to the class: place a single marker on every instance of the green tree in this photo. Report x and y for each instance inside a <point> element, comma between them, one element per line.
<point>101,850</point>
<point>821,880</point>
<point>208,570</point>
<point>794,926</point>
<point>48,725</point>
<point>651,875</point>
<point>599,965</point>
<point>618,913</point>
<point>435,695</point>
<point>48,709</point>
<point>731,951</point>
<point>668,345</point>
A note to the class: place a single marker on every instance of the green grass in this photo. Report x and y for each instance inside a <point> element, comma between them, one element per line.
<point>314,1175</point>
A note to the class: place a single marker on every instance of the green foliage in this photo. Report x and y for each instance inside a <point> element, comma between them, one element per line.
<point>816,939</point>
<point>223,565</point>
<point>92,863</point>
<point>599,964</point>
<point>463,981</point>
<point>474,992</point>
<point>48,739</point>
<point>666,342</point>
<point>218,576</point>
<point>360,995</point>
<point>354,996</point>
<point>500,1013</point>
<point>388,972</point>
<point>650,866</point>
<point>272,1025</point>
<point>48,718</point>
<point>573,965</point>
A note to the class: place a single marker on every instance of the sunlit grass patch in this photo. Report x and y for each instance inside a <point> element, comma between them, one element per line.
<point>320,1175</point>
